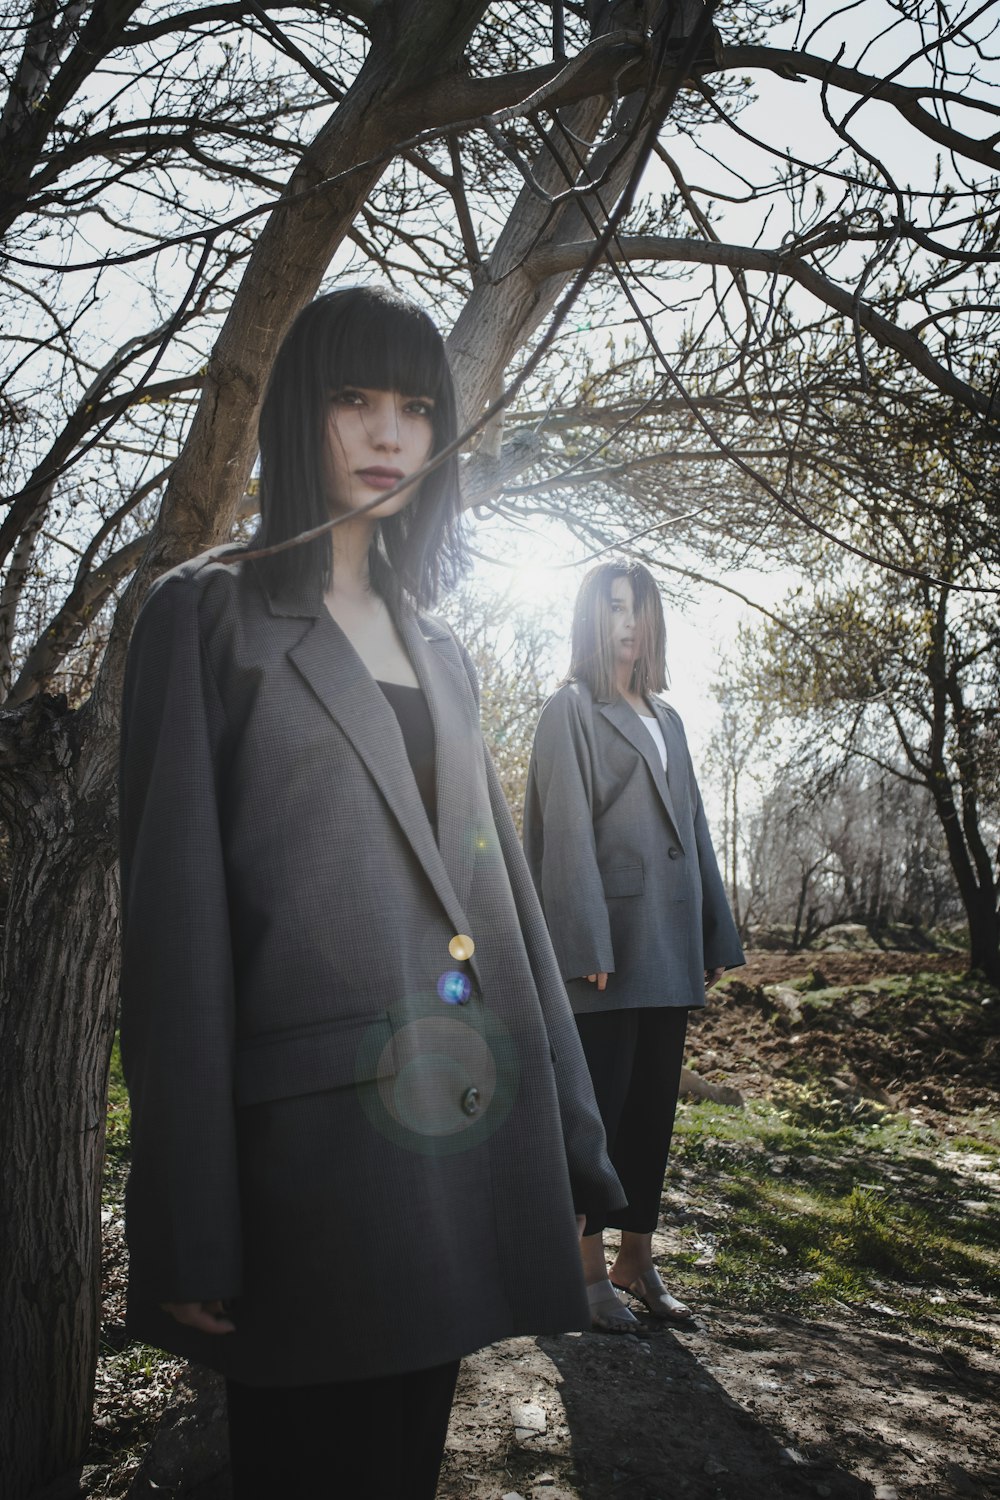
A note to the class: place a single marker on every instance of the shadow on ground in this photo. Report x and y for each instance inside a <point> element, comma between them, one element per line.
<point>739,1407</point>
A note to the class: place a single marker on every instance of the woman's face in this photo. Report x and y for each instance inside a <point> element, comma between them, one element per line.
<point>623,624</point>
<point>373,440</point>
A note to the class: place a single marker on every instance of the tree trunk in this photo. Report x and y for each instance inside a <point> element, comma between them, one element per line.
<point>978,898</point>
<point>984,935</point>
<point>59,970</point>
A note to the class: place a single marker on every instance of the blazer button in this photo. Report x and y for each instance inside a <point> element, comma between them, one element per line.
<point>674,853</point>
<point>470,1101</point>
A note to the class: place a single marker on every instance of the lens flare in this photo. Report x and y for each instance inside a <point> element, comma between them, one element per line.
<point>437,1079</point>
<point>454,988</point>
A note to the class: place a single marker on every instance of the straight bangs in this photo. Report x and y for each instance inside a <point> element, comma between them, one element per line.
<point>384,343</point>
<point>375,339</point>
<point>592,657</point>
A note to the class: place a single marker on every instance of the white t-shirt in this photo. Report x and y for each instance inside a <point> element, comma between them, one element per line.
<point>653,725</point>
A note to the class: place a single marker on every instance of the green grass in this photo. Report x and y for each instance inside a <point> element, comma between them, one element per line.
<point>116,1140</point>
<point>805,1205</point>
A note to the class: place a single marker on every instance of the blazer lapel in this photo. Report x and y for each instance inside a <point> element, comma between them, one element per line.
<point>336,674</point>
<point>457,747</point>
<point>677,757</point>
<point>627,722</point>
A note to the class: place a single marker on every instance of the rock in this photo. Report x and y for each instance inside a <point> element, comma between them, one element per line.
<point>695,1087</point>
<point>852,937</point>
<point>786,1001</point>
<point>529,1419</point>
<point>712,1467</point>
<point>886,1492</point>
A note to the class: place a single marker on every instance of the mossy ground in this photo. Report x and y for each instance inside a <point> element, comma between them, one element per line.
<point>803,1204</point>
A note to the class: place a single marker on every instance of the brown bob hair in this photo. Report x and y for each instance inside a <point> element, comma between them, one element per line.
<point>592,657</point>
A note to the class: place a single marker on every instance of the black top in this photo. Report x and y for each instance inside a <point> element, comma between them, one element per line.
<point>410,707</point>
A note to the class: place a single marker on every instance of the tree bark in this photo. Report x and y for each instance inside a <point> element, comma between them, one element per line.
<point>59,974</point>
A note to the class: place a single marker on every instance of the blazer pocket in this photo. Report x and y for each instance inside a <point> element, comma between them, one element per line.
<point>623,880</point>
<point>312,1059</point>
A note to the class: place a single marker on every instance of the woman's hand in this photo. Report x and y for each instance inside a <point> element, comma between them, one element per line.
<point>712,976</point>
<point>600,979</point>
<point>581,1220</point>
<point>207,1317</point>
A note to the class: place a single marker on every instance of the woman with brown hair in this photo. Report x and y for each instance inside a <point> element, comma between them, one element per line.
<point>619,849</point>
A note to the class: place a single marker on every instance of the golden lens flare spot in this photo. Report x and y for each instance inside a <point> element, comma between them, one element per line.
<point>461,947</point>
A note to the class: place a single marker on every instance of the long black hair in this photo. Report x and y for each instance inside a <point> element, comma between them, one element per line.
<point>593,660</point>
<point>373,338</point>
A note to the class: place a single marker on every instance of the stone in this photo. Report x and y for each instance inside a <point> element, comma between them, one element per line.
<point>529,1419</point>
<point>693,1086</point>
<point>786,1001</point>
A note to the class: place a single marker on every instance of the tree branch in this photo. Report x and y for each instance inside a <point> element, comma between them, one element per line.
<point>906,98</point>
<point>557,259</point>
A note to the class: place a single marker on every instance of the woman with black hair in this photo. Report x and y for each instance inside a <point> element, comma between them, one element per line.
<point>357,1091</point>
<point>618,846</point>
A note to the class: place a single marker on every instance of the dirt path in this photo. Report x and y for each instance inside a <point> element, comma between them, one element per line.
<point>739,1407</point>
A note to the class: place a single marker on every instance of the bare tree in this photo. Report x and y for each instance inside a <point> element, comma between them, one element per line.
<point>204,165</point>
<point>900,670</point>
<point>859,846</point>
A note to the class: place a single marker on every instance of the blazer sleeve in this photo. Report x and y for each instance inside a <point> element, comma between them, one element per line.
<point>559,841</point>
<point>720,939</point>
<point>177,982</point>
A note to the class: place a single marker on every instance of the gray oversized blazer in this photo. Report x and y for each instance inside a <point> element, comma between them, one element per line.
<point>621,856</point>
<point>363,1169</point>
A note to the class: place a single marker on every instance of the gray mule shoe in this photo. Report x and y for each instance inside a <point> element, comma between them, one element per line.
<point>607,1310</point>
<point>649,1290</point>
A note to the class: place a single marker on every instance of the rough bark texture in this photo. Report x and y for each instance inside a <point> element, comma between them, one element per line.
<point>59,974</point>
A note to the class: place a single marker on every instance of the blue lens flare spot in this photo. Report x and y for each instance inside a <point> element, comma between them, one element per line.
<point>454,988</point>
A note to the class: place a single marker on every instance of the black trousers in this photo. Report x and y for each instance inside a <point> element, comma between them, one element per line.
<point>635,1059</point>
<point>377,1439</point>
